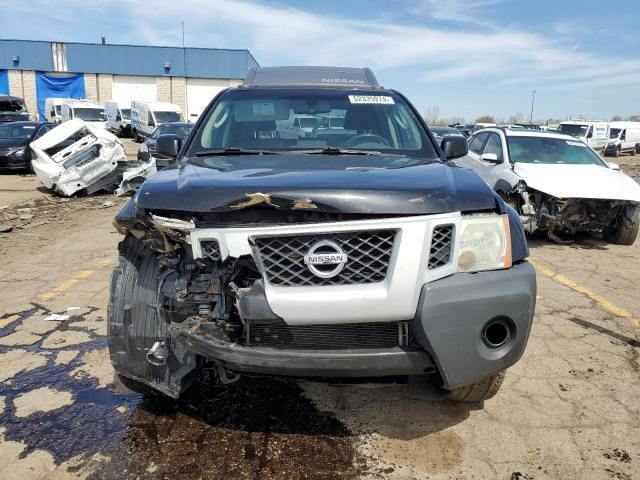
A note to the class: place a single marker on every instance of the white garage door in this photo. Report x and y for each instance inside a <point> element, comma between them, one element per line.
<point>200,91</point>
<point>128,87</point>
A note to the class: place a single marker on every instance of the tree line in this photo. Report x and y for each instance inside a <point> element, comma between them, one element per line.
<point>432,117</point>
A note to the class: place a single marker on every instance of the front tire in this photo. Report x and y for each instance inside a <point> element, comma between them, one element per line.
<point>134,325</point>
<point>479,391</point>
<point>624,229</point>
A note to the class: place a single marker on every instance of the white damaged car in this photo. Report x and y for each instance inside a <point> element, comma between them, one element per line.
<point>92,160</point>
<point>557,183</point>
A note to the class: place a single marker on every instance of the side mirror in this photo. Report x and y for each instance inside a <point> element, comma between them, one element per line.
<point>489,157</point>
<point>454,146</point>
<point>151,123</point>
<point>613,166</point>
<point>590,135</point>
<point>168,145</point>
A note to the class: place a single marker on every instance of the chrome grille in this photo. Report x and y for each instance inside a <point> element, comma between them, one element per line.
<point>210,250</point>
<point>349,335</point>
<point>369,253</point>
<point>441,243</point>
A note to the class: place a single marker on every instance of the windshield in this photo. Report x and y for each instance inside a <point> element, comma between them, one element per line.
<point>442,131</point>
<point>180,129</point>
<point>167,117</point>
<point>58,109</point>
<point>264,119</point>
<point>614,132</point>
<point>12,130</point>
<point>550,150</point>
<point>90,114</point>
<point>573,129</point>
<point>125,113</point>
<point>308,122</point>
<point>12,106</point>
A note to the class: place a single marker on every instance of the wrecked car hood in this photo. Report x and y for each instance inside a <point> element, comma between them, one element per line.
<point>421,189</point>
<point>579,181</point>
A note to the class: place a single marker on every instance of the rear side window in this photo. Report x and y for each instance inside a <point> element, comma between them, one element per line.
<point>478,140</point>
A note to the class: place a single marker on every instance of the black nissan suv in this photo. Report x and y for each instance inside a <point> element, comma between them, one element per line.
<point>348,249</point>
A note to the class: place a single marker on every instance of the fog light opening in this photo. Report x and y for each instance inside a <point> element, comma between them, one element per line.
<point>496,333</point>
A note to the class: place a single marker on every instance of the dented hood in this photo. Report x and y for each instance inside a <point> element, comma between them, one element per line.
<point>421,189</point>
<point>579,181</point>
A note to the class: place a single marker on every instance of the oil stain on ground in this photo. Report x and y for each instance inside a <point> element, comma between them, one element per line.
<point>254,429</point>
<point>258,428</point>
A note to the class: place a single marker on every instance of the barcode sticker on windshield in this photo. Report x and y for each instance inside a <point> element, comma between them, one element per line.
<point>371,99</point>
<point>576,144</point>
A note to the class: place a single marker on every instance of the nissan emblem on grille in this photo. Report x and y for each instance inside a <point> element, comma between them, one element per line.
<point>325,259</point>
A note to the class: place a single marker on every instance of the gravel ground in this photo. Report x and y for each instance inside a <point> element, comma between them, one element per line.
<point>568,409</point>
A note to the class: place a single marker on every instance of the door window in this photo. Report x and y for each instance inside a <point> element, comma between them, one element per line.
<point>494,145</point>
<point>478,140</point>
<point>44,129</point>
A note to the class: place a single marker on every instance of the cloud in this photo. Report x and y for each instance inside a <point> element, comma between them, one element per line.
<point>279,34</point>
<point>461,11</point>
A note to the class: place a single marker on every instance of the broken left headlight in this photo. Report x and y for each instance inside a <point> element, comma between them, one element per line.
<point>485,243</point>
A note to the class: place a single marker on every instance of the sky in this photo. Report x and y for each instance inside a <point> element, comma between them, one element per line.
<point>461,58</point>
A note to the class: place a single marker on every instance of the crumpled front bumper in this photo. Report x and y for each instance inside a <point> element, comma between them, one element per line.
<point>453,312</point>
<point>448,325</point>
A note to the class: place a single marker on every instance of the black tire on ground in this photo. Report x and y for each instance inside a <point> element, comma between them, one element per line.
<point>479,391</point>
<point>138,387</point>
<point>133,323</point>
<point>624,230</point>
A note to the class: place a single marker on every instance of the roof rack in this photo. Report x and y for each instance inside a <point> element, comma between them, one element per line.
<point>360,78</point>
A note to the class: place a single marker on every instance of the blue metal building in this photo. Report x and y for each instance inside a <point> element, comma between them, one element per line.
<point>188,77</point>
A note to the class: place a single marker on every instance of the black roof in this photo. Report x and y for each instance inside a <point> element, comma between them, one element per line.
<point>359,78</point>
<point>11,98</point>
<point>26,123</point>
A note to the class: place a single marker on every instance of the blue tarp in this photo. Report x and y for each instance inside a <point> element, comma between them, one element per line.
<point>4,82</point>
<point>57,86</point>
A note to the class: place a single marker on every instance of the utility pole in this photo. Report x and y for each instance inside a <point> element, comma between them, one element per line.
<point>184,64</point>
<point>533,99</point>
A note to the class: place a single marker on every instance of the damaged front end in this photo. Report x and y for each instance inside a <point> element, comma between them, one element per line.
<point>556,216</point>
<point>91,160</point>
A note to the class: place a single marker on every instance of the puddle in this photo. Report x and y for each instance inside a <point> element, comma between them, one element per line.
<point>257,428</point>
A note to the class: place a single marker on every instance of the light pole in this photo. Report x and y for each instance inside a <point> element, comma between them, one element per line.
<point>533,99</point>
<point>184,64</point>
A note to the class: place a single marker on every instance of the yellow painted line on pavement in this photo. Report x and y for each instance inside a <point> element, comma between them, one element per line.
<point>67,284</point>
<point>599,299</point>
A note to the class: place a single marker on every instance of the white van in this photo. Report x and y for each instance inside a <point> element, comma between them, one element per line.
<point>91,113</point>
<point>594,134</point>
<point>146,116</point>
<point>53,109</point>
<point>624,137</point>
<point>118,117</point>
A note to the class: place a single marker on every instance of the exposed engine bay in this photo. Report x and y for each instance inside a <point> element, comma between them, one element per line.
<point>542,212</point>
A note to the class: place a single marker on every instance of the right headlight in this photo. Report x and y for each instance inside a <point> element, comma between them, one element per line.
<point>485,243</point>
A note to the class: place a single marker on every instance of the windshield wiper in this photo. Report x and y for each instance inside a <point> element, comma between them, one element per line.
<point>230,151</point>
<point>343,151</point>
